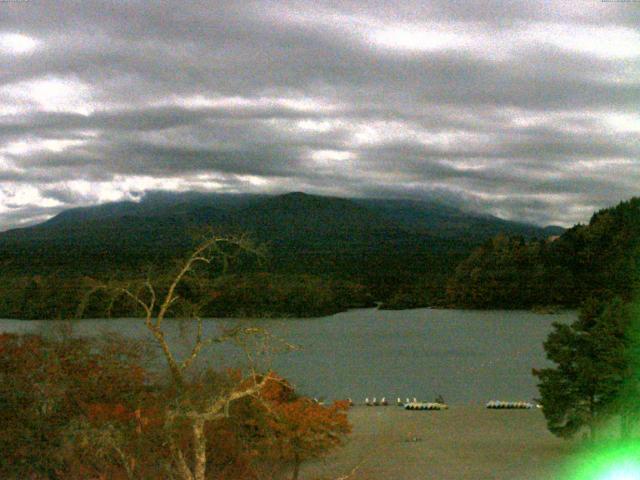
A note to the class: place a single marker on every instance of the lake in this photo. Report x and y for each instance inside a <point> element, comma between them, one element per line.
<point>466,356</point>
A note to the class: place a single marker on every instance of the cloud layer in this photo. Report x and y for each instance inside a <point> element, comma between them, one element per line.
<point>527,110</point>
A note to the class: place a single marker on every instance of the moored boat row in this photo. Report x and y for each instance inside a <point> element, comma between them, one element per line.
<point>414,404</point>
<point>426,406</point>
<point>499,404</point>
<point>407,404</point>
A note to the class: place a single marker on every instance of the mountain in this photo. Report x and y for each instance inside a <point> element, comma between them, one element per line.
<point>450,222</point>
<point>306,233</point>
<point>301,219</point>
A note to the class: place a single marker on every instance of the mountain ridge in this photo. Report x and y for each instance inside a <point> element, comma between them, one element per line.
<point>192,200</point>
<point>306,233</point>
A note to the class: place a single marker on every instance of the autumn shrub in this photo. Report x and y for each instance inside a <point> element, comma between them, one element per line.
<point>75,409</point>
<point>47,383</point>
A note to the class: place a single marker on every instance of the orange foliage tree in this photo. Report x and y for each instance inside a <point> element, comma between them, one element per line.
<point>303,429</point>
<point>272,434</point>
<point>47,383</point>
<point>77,409</point>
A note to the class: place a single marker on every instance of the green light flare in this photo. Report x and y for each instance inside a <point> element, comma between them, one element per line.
<point>608,461</point>
<point>614,458</point>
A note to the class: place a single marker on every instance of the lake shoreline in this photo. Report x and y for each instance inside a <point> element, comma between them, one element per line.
<point>379,308</point>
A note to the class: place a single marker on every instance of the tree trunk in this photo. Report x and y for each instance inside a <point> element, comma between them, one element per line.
<point>199,450</point>
<point>296,467</point>
<point>625,426</point>
<point>176,373</point>
<point>181,465</point>
<point>592,419</point>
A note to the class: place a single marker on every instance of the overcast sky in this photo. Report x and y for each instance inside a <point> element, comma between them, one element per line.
<point>527,110</point>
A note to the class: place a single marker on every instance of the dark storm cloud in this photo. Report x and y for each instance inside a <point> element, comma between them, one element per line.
<point>523,109</point>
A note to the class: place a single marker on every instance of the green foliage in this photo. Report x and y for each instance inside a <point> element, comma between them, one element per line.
<point>598,260</point>
<point>507,272</point>
<point>592,368</point>
<point>282,295</point>
<point>236,295</point>
<point>424,291</point>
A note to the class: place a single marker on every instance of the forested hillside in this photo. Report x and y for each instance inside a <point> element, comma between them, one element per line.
<point>305,233</point>
<point>595,260</point>
<point>337,252</point>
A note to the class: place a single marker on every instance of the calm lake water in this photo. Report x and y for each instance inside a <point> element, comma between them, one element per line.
<point>466,356</point>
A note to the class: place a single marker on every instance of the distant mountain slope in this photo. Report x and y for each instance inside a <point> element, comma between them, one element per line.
<point>307,219</point>
<point>450,222</point>
<point>306,232</point>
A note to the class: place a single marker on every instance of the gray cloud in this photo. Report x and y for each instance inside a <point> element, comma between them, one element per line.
<point>525,109</point>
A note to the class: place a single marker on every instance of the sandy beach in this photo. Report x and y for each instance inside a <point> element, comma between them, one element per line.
<point>462,443</point>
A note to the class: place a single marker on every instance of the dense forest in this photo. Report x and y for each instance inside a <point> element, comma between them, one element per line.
<point>594,382</point>
<point>598,260</point>
<point>248,295</point>
<point>320,255</point>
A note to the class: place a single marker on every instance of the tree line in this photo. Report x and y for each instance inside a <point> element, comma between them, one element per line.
<point>235,295</point>
<point>598,260</point>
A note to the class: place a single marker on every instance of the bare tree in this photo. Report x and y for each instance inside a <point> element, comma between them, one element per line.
<point>195,411</point>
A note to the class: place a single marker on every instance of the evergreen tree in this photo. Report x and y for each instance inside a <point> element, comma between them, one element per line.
<point>592,368</point>
<point>628,402</point>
